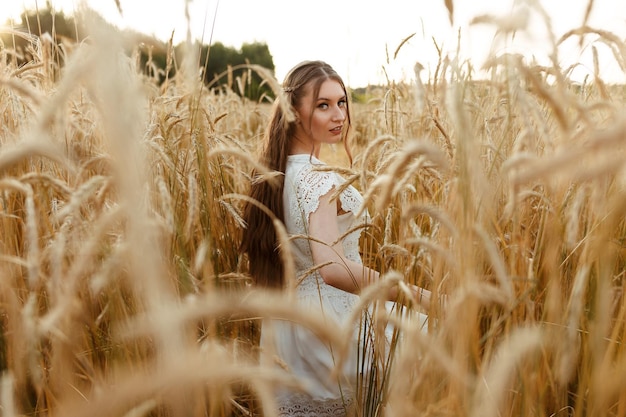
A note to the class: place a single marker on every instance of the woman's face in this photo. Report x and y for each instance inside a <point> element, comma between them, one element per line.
<point>322,118</point>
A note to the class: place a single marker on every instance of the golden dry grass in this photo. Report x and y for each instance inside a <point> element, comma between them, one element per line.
<point>122,291</point>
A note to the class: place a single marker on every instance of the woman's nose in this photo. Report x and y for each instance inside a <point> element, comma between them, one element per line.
<point>339,113</point>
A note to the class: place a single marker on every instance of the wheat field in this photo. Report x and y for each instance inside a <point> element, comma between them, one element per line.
<point>122,292</point>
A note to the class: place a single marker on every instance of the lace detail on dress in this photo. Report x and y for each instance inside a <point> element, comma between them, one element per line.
<point>301,405</point>
<point>351,200</point>
<point>351,241</point>
<point>310,185</point>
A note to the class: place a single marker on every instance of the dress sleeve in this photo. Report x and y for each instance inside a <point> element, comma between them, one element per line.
<point>312,186</point>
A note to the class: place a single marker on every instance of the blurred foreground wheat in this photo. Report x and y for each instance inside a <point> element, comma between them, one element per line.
<point>122,291</point>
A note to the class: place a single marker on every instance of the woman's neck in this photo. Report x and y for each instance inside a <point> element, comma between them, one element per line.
<point>299,147</point>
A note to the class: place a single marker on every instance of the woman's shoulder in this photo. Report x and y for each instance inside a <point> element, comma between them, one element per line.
<point>307,179</point>
<point>303,160</point>
<point>306,170</point>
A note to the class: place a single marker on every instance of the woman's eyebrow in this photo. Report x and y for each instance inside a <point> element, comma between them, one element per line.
<point>328,99</point>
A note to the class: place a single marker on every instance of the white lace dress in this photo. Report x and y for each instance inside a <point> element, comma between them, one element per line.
<point>301,353</point>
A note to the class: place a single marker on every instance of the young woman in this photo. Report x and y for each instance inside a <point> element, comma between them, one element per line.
<point>304,202</point>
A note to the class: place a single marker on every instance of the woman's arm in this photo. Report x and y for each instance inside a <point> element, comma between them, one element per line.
<point>341,272</point>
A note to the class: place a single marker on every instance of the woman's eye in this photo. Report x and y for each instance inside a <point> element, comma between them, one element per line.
<point>342,103</point>
<point>323,106</point>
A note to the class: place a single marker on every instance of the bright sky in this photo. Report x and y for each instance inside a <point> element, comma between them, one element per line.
<point>357,36</point>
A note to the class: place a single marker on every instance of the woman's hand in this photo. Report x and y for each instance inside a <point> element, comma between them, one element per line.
<point>423,297</point>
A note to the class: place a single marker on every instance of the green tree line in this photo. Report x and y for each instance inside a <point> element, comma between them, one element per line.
<point>221,64</point>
